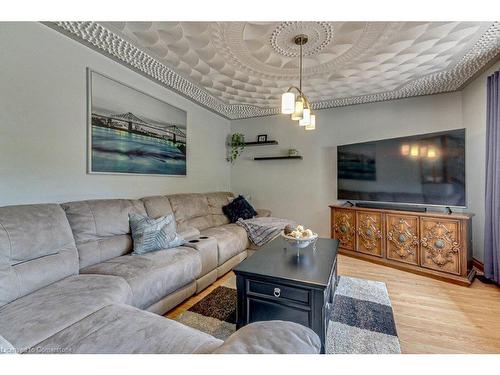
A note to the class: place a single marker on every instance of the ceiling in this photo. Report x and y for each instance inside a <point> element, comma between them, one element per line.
<point>240,69</point>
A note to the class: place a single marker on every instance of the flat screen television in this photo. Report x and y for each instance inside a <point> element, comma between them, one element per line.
<point>425,169</point>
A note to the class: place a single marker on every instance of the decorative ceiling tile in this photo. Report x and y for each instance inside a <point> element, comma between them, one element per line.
<point>240,69</point>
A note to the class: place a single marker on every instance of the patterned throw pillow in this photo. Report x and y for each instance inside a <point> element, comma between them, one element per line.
<point>239,208</point>
<point>153,234</point>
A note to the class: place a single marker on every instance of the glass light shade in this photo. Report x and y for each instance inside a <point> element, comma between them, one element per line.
<point>414,151</point>
<point>288,103</point>
<point>312,124</point>
<point>405,150</point>
<point>306,117</point>
<point>431,154</point>
<point>299,110</point>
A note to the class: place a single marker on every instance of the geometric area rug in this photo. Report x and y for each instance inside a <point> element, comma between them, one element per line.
<point>215,314</point>
<point>361,321</point>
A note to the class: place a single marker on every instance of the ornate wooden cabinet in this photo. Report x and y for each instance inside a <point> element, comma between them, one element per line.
<point>369,230</point>
<point>440,244</point>
<point>434,244</point>
<point>402,238</point>
<point>344,227</point>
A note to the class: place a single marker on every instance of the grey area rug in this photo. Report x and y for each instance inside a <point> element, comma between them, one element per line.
<point>361,322</point>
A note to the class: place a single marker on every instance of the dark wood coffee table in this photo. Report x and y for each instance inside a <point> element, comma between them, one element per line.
<point>276,284</point>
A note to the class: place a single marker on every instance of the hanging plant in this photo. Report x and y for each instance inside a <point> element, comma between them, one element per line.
<point>237,144</point>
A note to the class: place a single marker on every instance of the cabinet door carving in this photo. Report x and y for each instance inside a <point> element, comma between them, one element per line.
<point>369,232</point>
<point>440,244</point>
<point>344,228</point>
<point>402,238</point>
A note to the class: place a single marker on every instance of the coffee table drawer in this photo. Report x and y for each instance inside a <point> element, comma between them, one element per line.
<point>278,291</point>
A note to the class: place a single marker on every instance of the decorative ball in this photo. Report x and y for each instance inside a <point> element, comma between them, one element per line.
<point>289,229</point>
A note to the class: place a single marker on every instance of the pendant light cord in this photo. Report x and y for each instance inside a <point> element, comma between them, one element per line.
<point>300,64</point>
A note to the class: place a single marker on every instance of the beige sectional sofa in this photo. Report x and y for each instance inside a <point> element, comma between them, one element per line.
<point>69,284</point>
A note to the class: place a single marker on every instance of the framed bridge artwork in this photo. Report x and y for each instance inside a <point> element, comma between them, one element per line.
<point>131,132</point>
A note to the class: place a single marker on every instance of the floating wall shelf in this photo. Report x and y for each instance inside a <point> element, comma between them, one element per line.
<point>277,157</point>
<point>266,143</point>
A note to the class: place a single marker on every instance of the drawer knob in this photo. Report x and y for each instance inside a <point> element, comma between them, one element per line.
<point>439,244</point>
<point>277,292</point>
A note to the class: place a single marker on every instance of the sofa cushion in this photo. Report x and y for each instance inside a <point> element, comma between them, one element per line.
<point>101,228</point>
<point>157,206</point>
<point>153,234</point>
<point>33,318</point>
<point>215,203</point>
<point>231,240</point>
<point>272,337</point>
<point>239,208</point>
<point>152,276</point>
<point>191,210</point>
<point>36,249</point>
<point>126,330</point>
<point>261,212</point>
<point>189,233</point>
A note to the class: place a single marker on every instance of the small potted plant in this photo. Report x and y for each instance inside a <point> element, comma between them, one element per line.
<point>237,144</point>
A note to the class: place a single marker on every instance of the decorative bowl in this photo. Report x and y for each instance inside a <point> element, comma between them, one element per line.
<point>299,243</point>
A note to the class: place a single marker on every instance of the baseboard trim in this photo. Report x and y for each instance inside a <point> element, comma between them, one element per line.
<point>478,265</point>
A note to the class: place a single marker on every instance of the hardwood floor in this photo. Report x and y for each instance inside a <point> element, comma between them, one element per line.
<point>435,316</point>
<point>431,316</point>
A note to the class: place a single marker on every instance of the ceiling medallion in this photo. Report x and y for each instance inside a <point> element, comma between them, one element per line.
<point>319,34</point>
<point>298,107</point>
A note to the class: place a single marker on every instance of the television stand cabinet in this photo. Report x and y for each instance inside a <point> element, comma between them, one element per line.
<point>427,243</point>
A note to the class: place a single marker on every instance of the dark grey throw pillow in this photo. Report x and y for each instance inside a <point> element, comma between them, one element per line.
<point>239,208</point>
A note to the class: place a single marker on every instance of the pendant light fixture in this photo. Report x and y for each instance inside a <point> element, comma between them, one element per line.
<point>298,106</point>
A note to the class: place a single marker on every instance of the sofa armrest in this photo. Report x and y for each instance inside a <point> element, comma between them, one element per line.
<point>207,248</point>
<point>6,347</point>
<point>271,337</point>
<point>189,233</point>
<point>261,212</point>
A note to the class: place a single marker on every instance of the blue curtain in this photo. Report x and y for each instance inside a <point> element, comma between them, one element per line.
<point>492,219</point>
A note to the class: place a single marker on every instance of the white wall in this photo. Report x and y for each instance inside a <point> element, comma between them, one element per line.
<point>474,118</point>
<point>302,190</point>
<point>43,124</point>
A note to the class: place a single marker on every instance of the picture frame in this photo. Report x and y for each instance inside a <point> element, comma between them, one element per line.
<point>130,132</point>
<point>262,138</point>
